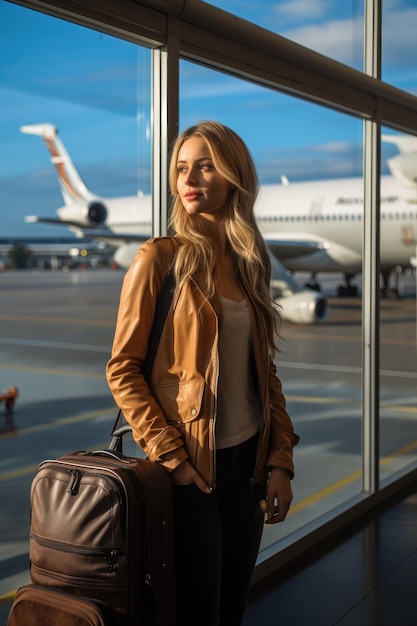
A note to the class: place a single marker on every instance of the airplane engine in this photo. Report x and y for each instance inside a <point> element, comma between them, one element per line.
<point>298,305</point>
<point>304,307</point>
<point>125,254</point>
<point>97,213</point>
<point>88,215</point>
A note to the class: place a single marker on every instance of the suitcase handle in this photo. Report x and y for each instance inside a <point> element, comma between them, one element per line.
<point>117,436</point>
<point>121,430</point>
<point>114,454</point>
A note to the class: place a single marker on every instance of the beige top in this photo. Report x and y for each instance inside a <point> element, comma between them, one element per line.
<point>238,405</point>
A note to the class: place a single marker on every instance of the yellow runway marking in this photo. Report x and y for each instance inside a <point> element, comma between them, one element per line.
<point>57,424</point>
<point>347,480</point>
<point>31,469</point>
<point>320,400</point>
<point>58,320</point>
<point>49,371</point>
<point>323,493</point>
<point>294,334</point>
<point>7,598</point>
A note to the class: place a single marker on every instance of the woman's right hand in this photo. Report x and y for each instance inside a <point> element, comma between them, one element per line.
<point>185,474</point>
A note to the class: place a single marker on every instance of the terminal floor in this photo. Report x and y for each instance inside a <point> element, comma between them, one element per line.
<point>366,578</point>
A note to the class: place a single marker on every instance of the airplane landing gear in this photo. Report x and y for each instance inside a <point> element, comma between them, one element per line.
<point>313,283</point>
<point>347,289</point>
<point>397,291</point>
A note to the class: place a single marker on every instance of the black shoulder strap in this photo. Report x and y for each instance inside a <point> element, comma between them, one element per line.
<point>161,311</point>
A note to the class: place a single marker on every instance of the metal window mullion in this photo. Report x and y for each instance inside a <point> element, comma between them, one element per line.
<point>370,260</point>
<point>156,124</point>
<point>370,308</point>
<point>164,124</point>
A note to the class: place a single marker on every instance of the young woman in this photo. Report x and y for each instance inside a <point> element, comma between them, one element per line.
<point>213,413</point>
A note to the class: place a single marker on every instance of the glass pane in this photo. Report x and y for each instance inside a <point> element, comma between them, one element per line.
<point>398,332</point>
<point>57,326</point>
<point>332,28</point>
<point>309,161</point>
<point>95,89</point>
<point>399,44</point>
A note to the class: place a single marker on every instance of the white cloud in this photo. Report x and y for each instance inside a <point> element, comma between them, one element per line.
<point>332,147</point>
<point>399,38</point>
<point>301,9</point>
<point>341,40</point>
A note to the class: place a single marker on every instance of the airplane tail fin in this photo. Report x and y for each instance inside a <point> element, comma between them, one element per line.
<point>406,144</point>
<point>72,186</point>
<point>403,166</point>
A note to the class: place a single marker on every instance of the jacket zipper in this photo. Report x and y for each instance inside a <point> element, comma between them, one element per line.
<point>214,406</point>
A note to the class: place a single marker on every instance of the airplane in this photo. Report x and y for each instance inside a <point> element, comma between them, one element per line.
<point>313,226</point>
<point>125,223</point>
<point>316,226</point>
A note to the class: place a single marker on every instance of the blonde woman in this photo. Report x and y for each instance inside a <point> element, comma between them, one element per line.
<point>213,413</point>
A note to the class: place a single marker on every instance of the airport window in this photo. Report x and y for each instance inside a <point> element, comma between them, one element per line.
<point>294,143</point>
<point>66,92</point>
<point>398,449</point>
<point>103,95</point>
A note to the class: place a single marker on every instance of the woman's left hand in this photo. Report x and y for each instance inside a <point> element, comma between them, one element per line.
<point>279,495</point>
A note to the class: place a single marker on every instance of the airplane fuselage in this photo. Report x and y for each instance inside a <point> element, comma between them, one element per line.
<point>329,213</point>
<point>332,212</point>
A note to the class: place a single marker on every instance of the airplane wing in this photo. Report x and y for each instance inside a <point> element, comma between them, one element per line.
<point>34,219</point>
<point>122,240</point>
<point>284,249</point>
<point>110,236</point>
<point>90,233</point>
<point>300,250</point>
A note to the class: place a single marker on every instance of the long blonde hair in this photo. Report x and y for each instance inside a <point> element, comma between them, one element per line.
<point>250,256</point>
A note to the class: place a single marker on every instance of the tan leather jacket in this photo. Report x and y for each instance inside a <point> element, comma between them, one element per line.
<point>173,418</point>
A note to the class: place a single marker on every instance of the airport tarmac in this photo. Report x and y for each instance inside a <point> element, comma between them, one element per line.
<point>56,331</point>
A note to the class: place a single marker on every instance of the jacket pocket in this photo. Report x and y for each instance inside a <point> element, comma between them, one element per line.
<point>181,402</point>
<point>190,398</point>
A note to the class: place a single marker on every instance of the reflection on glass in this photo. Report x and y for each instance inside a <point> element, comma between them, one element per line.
<point>82,99</point>
<point>399,44</point>
<point>95,90</point>
<point>398,330</point>
<point>332,28</point>
<point>309,209</point>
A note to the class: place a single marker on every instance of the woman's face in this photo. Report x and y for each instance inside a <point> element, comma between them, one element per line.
<point>202,189</point>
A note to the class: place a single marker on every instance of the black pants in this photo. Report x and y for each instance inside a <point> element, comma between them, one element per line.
<point>217,541</point>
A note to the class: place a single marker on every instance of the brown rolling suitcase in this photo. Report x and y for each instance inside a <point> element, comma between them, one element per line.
<point>40,606</point>
<point>101,533</point>
<point>102,527</point>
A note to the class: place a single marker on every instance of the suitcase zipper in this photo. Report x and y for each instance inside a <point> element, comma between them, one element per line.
<point>108,554</point>
<point>75,480</point>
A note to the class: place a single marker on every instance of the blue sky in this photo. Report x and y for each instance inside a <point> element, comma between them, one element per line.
<point>95,89</point>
